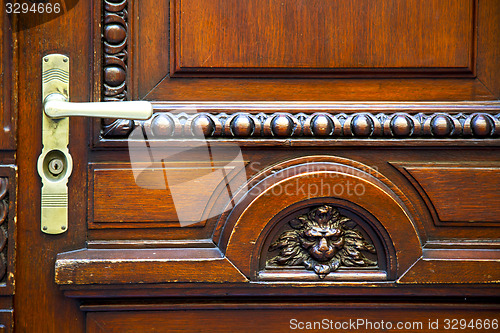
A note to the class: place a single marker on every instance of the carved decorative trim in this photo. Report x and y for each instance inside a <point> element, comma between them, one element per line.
<point>323,241</point>
<point>165,125</point>
<point>115,35</point>
<point>4,210</point>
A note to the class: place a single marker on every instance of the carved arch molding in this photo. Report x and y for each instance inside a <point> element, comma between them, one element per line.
<point>356,226</point>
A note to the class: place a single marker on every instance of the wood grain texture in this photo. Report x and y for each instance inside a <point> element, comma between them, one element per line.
<point>287,37</point>
<point>167,193</point>
<point>88,267</point>
<point>149,31</point>
<point>39,304</point>
<point>8,99</point>
<point>488,41</point>
<point>457,193</point>
<point>445,271</point>
<point>219,89</point>
<point>140,263</point>
<point>276,317</point>
<point>373,154</point>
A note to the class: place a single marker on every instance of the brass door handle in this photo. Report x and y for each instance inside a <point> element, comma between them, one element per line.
<point>56,106</point>
<point>55,163</point>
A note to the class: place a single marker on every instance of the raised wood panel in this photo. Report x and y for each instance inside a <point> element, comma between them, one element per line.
<point>322,36</point>
<point>457,193</point>
<point>186,89</point>
<point>127,266</point>
<point>166,194</point>
<point>430,271</point>
<point>488,41</point>
<point>284,317</point>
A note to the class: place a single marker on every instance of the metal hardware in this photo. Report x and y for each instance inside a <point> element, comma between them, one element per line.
<point>56,106</point>
<point>56,166</point>
<point>55,163</point>
<point>55,155</point>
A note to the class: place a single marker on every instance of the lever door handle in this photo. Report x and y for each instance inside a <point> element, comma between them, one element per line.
<point>56,106</point>
<point>55,163</point>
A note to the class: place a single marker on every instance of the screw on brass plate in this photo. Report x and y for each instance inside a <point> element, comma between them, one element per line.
<point>63,227</point>
<point>56,166</point>
<point>44,228</point>
<point>65,59</point>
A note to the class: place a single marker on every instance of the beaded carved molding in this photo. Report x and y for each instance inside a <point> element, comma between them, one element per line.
<point>115,35</point>
<point>320,125</point>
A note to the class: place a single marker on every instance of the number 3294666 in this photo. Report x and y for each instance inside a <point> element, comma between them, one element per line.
<point>36,8</point>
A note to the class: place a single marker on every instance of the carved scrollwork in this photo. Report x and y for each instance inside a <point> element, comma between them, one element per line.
<point>322,240</point>
<point>4,209</point>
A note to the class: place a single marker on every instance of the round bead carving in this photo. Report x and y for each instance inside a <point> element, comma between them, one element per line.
<point>242,125</point>
<point>162,126</point>
<point>401,125</point>
<point>362,125</point>
<point>282,125</point>
<point>114,76</point>
<point>114,33</point>
<point>481,125</point>
<point>202,126</point>
<point>441,125</point>
<point>322,125</point>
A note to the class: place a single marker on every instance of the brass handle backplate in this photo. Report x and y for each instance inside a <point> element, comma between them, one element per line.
<point>55,163</point>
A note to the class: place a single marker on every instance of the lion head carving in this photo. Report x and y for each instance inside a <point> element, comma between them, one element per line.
<point>322,240</point>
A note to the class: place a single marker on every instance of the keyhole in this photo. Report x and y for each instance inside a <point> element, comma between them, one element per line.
<point>55,166</point>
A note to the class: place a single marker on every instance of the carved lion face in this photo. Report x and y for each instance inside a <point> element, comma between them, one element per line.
<point>321,241</point>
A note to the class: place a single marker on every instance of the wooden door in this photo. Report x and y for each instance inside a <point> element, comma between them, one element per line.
<point>305,160</point>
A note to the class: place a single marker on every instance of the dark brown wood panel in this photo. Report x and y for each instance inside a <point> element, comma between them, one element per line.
<point>155,194</point>
<point>91,267</point>
<point>457,193</point>
<point>447,271</point>
<point>119,269</point>
<point>320,35</point>
<point>7,105</point>
<point>488,41</point>
<point>284,317</point>
<point>39,304</point>
<point>149,70</point>
<point>184,89</point>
